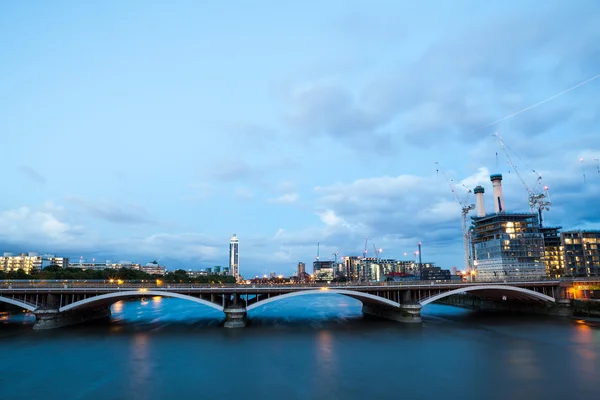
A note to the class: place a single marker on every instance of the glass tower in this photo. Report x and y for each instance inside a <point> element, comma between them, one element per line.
<point>234,257</point>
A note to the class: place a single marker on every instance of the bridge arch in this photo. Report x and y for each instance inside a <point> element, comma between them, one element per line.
<point>365,298</point>
<point>18,303</point>
<point>526,293</point>
<point>116,296</point>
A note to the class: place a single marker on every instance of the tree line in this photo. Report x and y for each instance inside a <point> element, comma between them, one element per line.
<point>55,272</point>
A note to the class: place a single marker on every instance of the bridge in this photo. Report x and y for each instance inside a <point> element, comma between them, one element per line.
<point>69,302</point>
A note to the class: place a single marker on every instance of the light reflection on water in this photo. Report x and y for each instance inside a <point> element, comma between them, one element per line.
<point>300,348</point>
<point>141,366</point>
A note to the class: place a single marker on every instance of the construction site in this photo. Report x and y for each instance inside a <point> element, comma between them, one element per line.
<point>497,246</point>
<point>512,246</point>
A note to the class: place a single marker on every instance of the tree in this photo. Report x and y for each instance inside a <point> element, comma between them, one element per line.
<point>21,274</point>
<point>52,268</point>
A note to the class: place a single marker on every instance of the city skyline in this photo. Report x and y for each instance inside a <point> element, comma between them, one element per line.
<point>158,137</point>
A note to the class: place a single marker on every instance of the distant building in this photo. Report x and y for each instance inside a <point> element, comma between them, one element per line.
<point>323,270</point>
<point>581,252</point>
<point>196,274</point>
<point>50,259</point>
<point>506,245</point>
<point>357,268</point>
<point>217,269</point>
<point>108,264</point>
<point>208,271</point>
<point>153,268</point>
<point>435,273</point>
<point>301,268</point>
<point>554,256</point>
<point>234,256</point>
<point>400,277</point>
<point>28,262</point>
<point>352,268</point>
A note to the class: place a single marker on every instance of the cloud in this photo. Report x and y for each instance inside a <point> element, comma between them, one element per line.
<point>241,170</point>
<point>328,109</point>
<point>184,247</point>
<point>43,226</point>
<point>488,68</point>
<point>242,193</point>
<point>46,230</point>
<point>128,214</point>
<point>32,174</point>
<point>287,198</point>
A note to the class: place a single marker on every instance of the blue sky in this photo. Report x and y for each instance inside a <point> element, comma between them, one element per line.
<point>145,130</point>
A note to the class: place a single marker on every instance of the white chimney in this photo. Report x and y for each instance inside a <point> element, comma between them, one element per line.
<point>479,190</point>
<point>498,199</point>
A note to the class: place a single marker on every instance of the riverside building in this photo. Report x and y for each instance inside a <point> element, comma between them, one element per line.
<point>506,245</point>
<point>581,252</point>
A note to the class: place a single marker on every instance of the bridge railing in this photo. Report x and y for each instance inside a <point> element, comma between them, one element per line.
<point>15,284</point>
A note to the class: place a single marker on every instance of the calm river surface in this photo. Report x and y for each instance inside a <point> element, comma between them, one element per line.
<point>315,347</point>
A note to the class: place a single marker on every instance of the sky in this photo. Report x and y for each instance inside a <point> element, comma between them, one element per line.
<point>154,130</point>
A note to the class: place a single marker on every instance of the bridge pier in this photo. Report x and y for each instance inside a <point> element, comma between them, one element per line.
<point>235,316</point>
<point>53,318</point>
<point>409,313</point>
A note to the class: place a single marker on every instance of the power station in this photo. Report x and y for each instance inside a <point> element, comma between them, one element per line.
<point>505,245</point>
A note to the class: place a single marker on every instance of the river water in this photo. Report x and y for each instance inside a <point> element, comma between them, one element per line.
<point>313,347</point>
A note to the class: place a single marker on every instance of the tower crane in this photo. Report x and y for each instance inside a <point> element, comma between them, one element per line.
<point>379,268</point>
<point>376,252</point>
<point>538,197</point>
<point>466,207</point>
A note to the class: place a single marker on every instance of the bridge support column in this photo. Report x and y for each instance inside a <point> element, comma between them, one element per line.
<point>410,313</point>
<point>235,316</point>
<point>52,318</point>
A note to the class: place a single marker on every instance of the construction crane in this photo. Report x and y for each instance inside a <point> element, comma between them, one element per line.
<point>538,196</point>
<point>465,207</point>
<point>318,245</point>
<point>377,252</point>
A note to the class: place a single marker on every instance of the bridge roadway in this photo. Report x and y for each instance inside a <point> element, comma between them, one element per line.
<point>70,302</point>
